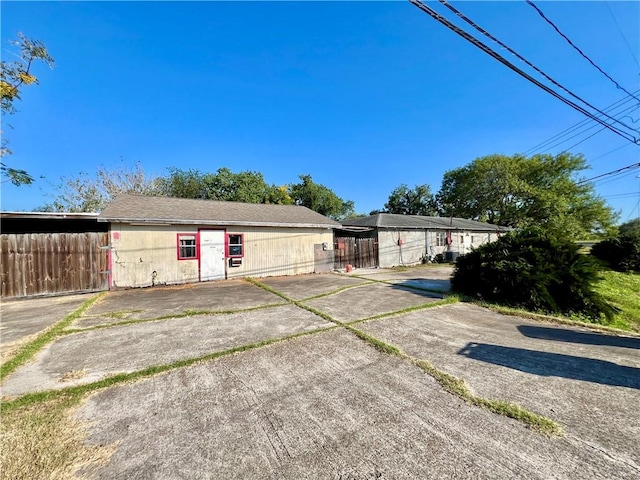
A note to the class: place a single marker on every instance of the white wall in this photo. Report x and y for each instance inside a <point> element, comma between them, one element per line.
<point>390,254</point>
<point>419,243</point>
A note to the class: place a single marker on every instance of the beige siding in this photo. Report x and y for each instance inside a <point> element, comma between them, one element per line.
<point>390,254</point>
<point>139,251</point>
<point>282,251</point>
<point>419,243</point>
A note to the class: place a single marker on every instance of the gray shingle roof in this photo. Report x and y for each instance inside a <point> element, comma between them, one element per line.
<point>390,220</point>
<point>144,209</point>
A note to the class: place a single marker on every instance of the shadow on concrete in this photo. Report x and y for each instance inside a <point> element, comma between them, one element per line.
<point>555,365</point>
<point>435,285</point>
<point>571,336</point>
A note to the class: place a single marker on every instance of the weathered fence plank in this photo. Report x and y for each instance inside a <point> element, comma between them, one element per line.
<point>48,263</point>
<point>359,252</point>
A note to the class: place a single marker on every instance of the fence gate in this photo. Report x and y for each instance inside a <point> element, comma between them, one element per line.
<point>359,252</point>
<point>47,263</point>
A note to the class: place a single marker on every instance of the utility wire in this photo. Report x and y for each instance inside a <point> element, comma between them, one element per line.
<point>520,57</point>
<point>580,133</point>
<point>622,195</point>
<point>622,35</point>
<point>628,167</point>
<point>549,144</point>
<point>611,151</point>
<point>582,123</point>
<point>541,13</point>
<point>614,178</point>
<point>505,62</point>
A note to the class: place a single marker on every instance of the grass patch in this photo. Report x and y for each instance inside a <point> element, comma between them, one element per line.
<point>184,314</point>
<point>542,317</point>
<point>120,314</point>
<point>458,387</point>
<point>297,303</point>
<point>623,291</point>
<point>77,392</point>
<point>338,290</point>
<point>449,299</point>
<point>269,289</point>
<point>73,375</point>
<point>45,441</point>
<point>30,349</point>
<point>376,343</point>
<point>451,384</point>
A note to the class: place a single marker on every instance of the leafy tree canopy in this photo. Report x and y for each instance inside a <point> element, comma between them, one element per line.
<point>630,228</point>
<point>86,193</point>
<point>224,185</point>
<point>519,191</point>
<point>13,77</point>
<point>406,201</point>
<point>320,199</point>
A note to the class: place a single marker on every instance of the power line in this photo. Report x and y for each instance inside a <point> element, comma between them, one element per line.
<point>505,62</point>
<point>621,195</point>
<point>622,35</point>
<point>541,13</point>
<point>628,167</point>
<point>580,124</point>
<point>560,142</point>
<point>520,57</point>
<point>614,178</point>
<point>611,151</point>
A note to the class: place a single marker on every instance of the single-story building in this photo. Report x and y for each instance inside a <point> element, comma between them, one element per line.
<point>409,239</point>
<point>164,240</point>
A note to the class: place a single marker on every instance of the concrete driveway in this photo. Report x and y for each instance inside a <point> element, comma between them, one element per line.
<point>322,403</point>
<point>21,319</point>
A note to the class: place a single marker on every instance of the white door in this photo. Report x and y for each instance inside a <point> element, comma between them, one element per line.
<point>212,266</point>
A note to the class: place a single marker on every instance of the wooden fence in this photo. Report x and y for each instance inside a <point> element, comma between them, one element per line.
<point>49,263</point>
<point>359,252</point>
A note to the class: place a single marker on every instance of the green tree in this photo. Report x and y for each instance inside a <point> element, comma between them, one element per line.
<point>630,228</point>
<point>13,77</point>
<point>406,201</point>
<point>320,199</point>
<point>86,193</point>
<point>224,185</point>
<point>519,191</point>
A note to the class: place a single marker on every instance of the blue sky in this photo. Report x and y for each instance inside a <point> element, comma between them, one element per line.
<point>364,96</point>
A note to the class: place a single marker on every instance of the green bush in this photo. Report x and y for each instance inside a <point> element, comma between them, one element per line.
<point>534,270</point>
<point>621,253</point>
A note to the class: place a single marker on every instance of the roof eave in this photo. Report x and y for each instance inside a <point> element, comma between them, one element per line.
<point>234,223</point>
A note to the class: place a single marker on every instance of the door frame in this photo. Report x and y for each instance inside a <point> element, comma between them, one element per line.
<point>224,233</point>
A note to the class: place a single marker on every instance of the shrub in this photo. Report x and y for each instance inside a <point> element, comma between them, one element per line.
<point>534,270</point>
<point>630,228</point>
<point>621,253</point>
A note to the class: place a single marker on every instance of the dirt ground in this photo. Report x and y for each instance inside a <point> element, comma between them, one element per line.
<point>330,405</point>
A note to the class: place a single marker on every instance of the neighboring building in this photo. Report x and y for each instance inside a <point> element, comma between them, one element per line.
<point>45,253</point>
<point>164,240</point>
<point>408,239</point>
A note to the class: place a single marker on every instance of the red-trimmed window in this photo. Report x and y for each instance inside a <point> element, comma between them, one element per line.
<point>235,245</point>
<point>187,246</point>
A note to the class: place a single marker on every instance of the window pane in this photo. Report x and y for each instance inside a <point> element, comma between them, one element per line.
<point>234,245</point>
<point>188,246</point>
